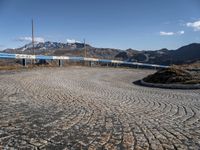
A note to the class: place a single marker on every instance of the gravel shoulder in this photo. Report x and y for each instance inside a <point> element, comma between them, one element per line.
<point>94,108</point>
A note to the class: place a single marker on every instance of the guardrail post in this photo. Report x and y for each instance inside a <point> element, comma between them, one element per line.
<point>24,62</point>
<point>60,63</point>
<point>90,63</point>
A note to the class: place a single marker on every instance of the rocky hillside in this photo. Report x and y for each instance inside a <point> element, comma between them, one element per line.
<point>66,49</point>
<point>184,55</point>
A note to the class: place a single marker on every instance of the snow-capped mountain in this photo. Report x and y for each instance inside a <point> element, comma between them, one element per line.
<point>185,54</point>
<point>41,47</point>
<point>51,45</point>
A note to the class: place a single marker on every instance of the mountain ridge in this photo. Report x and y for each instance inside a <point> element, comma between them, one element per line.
<point>185,54</point>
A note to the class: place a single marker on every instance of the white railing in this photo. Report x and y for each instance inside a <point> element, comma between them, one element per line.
<point>43,57</point>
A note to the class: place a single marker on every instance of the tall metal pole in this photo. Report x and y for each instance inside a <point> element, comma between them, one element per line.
<point>85,49</point>
<point>33,38</point>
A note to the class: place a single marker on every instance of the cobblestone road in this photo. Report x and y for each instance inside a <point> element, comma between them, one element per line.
<point>94,108</point>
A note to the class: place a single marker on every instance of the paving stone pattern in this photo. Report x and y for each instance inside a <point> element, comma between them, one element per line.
<point>94,108</point>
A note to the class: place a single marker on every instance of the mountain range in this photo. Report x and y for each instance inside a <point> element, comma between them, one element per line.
<point>183,55</point>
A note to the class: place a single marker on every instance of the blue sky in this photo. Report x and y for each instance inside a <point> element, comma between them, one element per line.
<point>137,24</point>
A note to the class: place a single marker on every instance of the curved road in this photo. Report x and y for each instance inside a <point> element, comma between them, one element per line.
<point>94,108</point>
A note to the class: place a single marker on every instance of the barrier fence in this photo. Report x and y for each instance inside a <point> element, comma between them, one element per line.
<point>60,58</point>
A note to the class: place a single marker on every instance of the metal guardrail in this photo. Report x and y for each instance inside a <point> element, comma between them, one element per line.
<point>43,57</point>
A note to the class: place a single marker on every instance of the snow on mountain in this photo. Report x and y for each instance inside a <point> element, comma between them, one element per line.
<point>51,45</point>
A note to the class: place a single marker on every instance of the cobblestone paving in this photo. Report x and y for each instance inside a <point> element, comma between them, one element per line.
<point>94,108</point>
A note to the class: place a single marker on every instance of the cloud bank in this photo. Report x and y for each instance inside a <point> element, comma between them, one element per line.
<point>29,39</point>
<point>163,33</point>
<point>72,41</point>
<point>195,25</point>
<point>180,32</point>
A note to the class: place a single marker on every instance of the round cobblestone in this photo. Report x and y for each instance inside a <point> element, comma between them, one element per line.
<point>94,108</point>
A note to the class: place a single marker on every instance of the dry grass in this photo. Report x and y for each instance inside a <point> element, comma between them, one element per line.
<point>10,67</point>
<point>173,75</point>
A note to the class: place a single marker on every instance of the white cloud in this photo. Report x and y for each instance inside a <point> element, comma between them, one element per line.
<point>72,41</point>
<point>29,39</point>
<point>162,33</point>
<point>180,32</point>
<point>195,25</point>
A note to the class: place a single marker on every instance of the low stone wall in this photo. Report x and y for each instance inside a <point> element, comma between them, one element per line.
<point>171,86</point>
